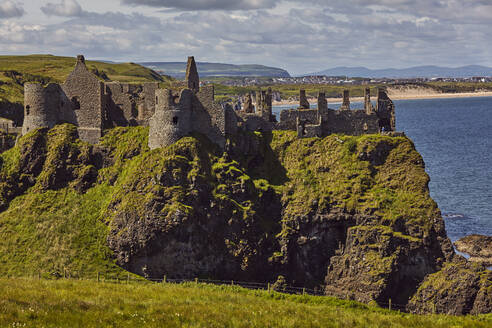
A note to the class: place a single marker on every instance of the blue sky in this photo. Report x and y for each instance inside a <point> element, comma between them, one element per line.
<point>300,36</point>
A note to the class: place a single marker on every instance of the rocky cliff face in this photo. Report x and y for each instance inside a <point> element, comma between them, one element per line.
<point>351,215</point>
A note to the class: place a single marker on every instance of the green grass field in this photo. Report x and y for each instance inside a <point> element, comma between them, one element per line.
<point>74,303</point>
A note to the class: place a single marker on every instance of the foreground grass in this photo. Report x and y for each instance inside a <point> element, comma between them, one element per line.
<point>65,303</point>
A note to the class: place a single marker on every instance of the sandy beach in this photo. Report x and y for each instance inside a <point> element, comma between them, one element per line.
<point>399,95</point>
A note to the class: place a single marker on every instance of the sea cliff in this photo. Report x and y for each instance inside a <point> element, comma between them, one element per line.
<point>348,215</point>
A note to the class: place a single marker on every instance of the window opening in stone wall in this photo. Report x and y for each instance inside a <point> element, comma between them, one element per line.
<point>175,120</point>
<point>76,102</point>
<point>156,100</point>
<point>28,110</point>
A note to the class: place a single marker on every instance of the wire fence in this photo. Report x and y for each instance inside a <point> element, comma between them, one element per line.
<point>432,307</point>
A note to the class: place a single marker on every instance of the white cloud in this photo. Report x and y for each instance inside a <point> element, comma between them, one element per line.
<point>206,4</point>
<point>9,9</point>
<point>301,36</point>
<point>66,8</point>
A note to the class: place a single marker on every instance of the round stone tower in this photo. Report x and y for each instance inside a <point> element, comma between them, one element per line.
<point>172,118</point>
<point>40,106</point>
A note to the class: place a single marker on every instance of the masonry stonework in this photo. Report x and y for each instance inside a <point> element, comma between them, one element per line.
<point>92,106</point>
<point>346,101</point>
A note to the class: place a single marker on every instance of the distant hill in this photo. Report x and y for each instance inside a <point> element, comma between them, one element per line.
<point>178,70</point>
<point>412,72</point>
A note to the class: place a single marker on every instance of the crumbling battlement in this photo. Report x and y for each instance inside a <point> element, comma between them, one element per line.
<point>323,121</point>
<point>92,106</point>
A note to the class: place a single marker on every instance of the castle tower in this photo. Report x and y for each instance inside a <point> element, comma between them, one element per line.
<point>303,102</point>
<point>367,102</point>
<point>192,78</point>
<point>346,100</point>
<point>41,106</point>
<point>172,118</point>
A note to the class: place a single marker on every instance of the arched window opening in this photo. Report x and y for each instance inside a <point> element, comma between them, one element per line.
<point>175,120</point>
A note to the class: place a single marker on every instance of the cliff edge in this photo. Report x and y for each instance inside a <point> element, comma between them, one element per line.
<point>348,215</point>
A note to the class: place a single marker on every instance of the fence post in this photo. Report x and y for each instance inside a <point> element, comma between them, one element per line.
<point>164,280</point>
<point>232,282</point>
<point>127,278</point>
<point>268,287</point>
<point>390,304</point>
<point>196,281</point>
<point>304,291</point>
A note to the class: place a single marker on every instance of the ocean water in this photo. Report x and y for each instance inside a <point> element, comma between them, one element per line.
<point>454,136</point>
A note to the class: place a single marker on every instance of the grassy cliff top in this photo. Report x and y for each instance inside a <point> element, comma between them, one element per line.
<point>16,70</point>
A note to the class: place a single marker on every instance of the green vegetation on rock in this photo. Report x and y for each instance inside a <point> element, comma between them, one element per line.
<point>352,214</point>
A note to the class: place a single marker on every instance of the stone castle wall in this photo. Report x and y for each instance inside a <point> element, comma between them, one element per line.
<point>130,104</point>
<point>92,106</point>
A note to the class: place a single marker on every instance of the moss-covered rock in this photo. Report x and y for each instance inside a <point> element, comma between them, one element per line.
<point>351,215</point>
<point>461,287</point>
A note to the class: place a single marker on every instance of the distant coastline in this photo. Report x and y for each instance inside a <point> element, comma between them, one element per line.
<point>400,95</point>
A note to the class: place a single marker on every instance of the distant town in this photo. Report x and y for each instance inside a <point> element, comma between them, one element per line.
<point>338,80</point>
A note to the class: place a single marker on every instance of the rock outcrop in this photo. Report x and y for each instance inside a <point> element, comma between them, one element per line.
<point>478,247</point>
<point>461,287</point>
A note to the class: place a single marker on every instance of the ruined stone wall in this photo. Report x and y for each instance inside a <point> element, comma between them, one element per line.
<point>303,101</point>
<point>367,102</point>
<point>309,130</point>
<point>209,117</point>
<point>149,94</point>
<point>289,118</point>
<point>86,94</point>
<point>350,122</point>
<point>253,122</point>
<point>346,100</point>
<point>130,104</point>
<point>192,79</point>
<point>385,111</point>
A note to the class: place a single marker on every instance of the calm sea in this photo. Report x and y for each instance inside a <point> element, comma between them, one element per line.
<point>454,136</point>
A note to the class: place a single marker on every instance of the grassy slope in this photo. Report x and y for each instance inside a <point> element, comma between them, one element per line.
<point>57,231</point>
<point>36,303</point>
<point>56,69</point>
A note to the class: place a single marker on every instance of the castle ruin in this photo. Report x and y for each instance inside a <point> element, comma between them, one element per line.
<point>93,106</point>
